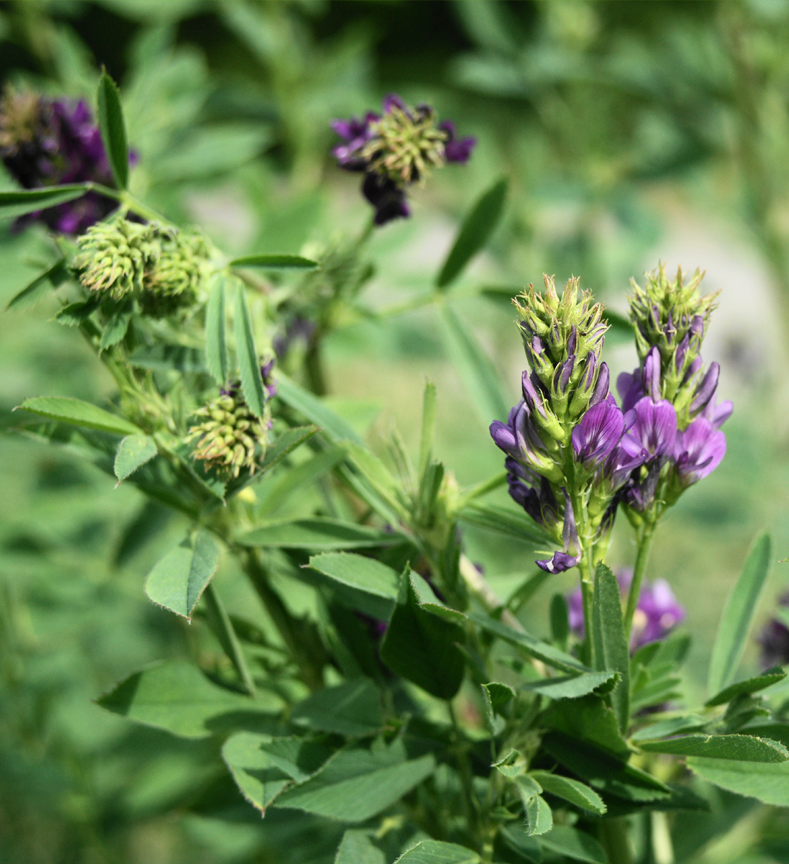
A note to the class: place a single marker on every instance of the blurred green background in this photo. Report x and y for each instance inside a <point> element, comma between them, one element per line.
<point>631,132</point>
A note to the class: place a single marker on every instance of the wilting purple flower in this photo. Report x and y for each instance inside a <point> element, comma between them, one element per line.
<point>698,451</point>
<point>655,426</point>
<point>57,143</point>
<point>774,639</point>
<point>597,434</point>
<point>456,150</point>
<point>395,149</point>
<point>657,613</point>
<point>387,198</point>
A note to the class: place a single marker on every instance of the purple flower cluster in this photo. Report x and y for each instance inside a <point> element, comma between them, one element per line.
<point>47,142</point>
<point>395,149</point>
<point>657,613</point>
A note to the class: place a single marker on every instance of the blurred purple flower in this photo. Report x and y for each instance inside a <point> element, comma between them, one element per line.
<point>47,142</point>
<point>657,613</point>
<point>395,149</point>
<point>774,640</point>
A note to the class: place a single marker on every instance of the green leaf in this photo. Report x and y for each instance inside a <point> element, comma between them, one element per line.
<point>741,748</point>
<point>113,130</point>
<point>538,816</point>
<point>751,685</point>
<point>317,533</point>
<point>604,771</point>
<point>438,852</point>
<point>364,583</point>
<point>421,647</point>
<point>357,847</point>
<point>299,477</point>
<point>248,358</point>
<point>570,686</point>
<point>178,580</point>
<point>76,314</point>
<point>738,615</point>
<point>116,325</point>
<point>428,427</point>
<point>314,410</point>
<point>79,413</point>
<point>474,232</point>
<point>666,728</point>
<point>258,779</point>
<point>590,719</point>
<point>611,647</point>
<point>574,791</point>
<point>477,372</point>
<point>768,782</point>
<point>177,697</point>
<point>518,839</point>
<point>358,783</point>
<point>263,766</point>
<point>505,521</point>
<point>40,286</point>
<point>216,354</point>
<point>168,358</point>
<point>498,699</point>
<point>275,262</point>
<point>352,709</point>
<point>133,451</point>
<point>532,646</point>
<point>574,844</point>
<point>20,202</point>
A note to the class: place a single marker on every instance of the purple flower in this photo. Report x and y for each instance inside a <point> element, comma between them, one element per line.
<point>630,388</point>
<point>387,198</point>
<point>564,560</point>
<point>456,150</point>
<point>706,389</point>
<point>657,613</point>
<point>655,426</point>
<point>698,451</point>
<point>396,149</point>
<point>774,640</point>
<point>56,143</point>
<point>598,433</point>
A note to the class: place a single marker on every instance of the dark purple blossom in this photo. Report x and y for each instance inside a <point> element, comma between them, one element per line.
<point>698,451</point>
<point>774,640</point>
<point>456,150</point>
<point>396,149</point>
<point>565,560</point>
<point>57,144</point>
<point>598,433</point>
<point>657,613</point>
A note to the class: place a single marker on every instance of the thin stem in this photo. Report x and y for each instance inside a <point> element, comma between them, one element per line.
<point>465,771</point>
<point>140,209</point>
<point>227,638</point>
<point>616,841</point>
<point>483,488</point>
<point>645,536</point>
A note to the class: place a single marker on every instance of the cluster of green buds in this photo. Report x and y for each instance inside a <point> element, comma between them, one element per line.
<point>230,437</point>
<point>670,319</point>
<point>161,266</point>
<point>563,337</point>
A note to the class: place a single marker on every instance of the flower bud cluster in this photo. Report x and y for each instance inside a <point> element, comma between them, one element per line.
<point>231,438</point>
<point>395,149</point>
<point>45,142</point>
<point>565,442</point>
<point>160,266</point>
<point>671,393</point>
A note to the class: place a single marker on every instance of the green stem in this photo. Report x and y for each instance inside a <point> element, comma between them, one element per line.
<point>139,208</point>
<point>465,772</point>
<point>645,536</point>
<point>615,839</point>
<point>482,489</point>
<point>227,637</point>
<point>284,622</point>
<point>313,365</point>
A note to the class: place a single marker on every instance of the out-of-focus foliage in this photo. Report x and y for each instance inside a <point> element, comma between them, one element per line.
<point>618,124</point>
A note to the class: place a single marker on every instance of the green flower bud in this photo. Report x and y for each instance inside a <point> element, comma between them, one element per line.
<point>230,436</point>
